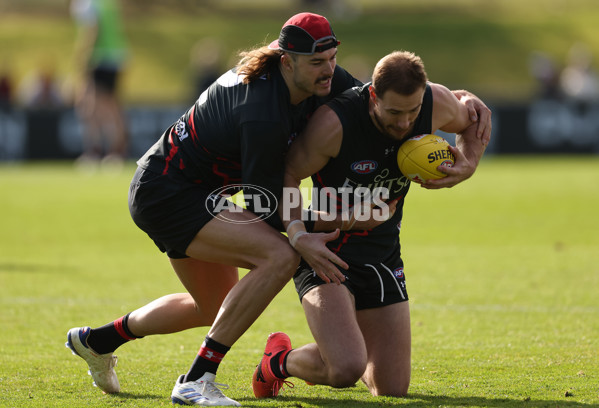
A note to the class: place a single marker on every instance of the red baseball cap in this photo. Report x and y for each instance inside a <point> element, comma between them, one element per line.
<point>305,33</point>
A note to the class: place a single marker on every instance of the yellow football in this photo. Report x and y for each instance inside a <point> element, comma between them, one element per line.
<point>419,156</point>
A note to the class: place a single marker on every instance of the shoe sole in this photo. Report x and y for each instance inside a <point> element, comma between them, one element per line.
<point>69,344</point>
<point>177,401</point>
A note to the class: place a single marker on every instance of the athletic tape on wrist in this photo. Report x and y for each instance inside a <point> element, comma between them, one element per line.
<point>292,223</point>
<point>293,240</point>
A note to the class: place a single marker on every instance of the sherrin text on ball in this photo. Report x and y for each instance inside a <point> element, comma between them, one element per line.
<point>419,156</point>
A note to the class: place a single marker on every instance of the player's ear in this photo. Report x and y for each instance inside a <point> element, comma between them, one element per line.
<point>372,93</point>
<point>286,61</point>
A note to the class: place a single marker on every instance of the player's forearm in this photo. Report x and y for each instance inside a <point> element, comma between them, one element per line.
<point>469,144</point>
<point>323,223</point>
<point>290,210</point>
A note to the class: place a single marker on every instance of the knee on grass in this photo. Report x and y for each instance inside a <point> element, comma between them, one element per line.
<point>346,374</point>
<point>393,389</point>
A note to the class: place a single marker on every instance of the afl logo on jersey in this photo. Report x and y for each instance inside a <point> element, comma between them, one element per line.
<point>398,273</point>
<point>364,166</point>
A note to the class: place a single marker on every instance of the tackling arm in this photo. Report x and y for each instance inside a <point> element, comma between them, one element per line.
<point>308,154</point>
<point>479,112</point>
<point>454,116</point>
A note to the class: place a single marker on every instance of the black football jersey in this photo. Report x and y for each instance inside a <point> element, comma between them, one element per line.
<point>367,159</point>
<point>236,133</point>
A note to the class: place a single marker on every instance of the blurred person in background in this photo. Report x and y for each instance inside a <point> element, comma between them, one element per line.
<point>6,89</point>
<point>101,53</point>
<point>234,136</point>
<point>40,89</point>
<point>547,75</point>
<point>207,64</point>
<point>578,80</point>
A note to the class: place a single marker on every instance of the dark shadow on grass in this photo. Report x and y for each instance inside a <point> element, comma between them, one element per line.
<point>132,396</point>
<point>421,400</point>
<point>414,401</point>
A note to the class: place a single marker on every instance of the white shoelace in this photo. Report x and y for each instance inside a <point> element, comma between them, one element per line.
<point>214,387</point>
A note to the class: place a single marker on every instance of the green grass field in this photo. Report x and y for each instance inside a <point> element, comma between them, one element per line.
<point>502,271</point>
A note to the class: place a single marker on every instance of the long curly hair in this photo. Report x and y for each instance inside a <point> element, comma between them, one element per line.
<point>257,62</point>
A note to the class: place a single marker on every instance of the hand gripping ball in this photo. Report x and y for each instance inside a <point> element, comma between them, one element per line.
<point>419,156</point>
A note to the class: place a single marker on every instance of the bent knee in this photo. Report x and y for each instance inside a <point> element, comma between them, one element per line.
<point>283,261</point>
<point>346,375</point>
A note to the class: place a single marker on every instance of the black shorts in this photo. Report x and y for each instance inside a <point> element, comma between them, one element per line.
<point>106,78</point>
<point>169,209</point>
<point>373,285</point>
